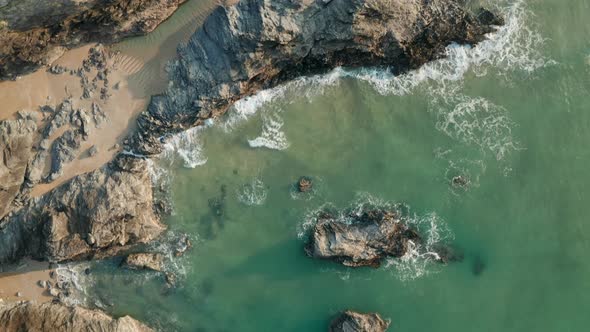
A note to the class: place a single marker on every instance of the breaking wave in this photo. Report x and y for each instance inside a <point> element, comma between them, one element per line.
<point>272,136</point>
<point>186,145</point>
<point>253,192</point>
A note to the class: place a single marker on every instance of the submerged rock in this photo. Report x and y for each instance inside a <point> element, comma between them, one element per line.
<point>351,321</point>
<point>258,44</point>
<point>53,317</point>
<point>364,240</point>
<point>145,261</point>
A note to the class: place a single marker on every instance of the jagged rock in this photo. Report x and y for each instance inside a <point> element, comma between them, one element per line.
<point>57,69</point>
<point>16,141</point>
<point>93,151</point>
<point>364,240</point>
<point>60,118</point>
<point>350,321</point>
<point>113,203</point>
<point>183,245</point>
<point>64,150</point>
<point>36,169</point>
<point>42,284</point>
<point>49,317</point>
<point>170,280</point>
<point>143,261</point>
<point>304,184</point>
<point>35,33</point>
<point>258,44</point>
<point>54,292</point>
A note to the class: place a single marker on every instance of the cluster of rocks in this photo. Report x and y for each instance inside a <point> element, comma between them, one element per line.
<point>351,321</point>
<point>64,148</point>
<point>56,317</point>
<point>34,33</point>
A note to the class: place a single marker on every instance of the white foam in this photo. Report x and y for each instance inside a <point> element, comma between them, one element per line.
<point>253,192</point>
<point>272,136</point>
<point>477,121</point>
<point>186,145</point>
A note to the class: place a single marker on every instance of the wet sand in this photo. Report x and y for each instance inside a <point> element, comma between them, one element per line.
<point>23,278</point>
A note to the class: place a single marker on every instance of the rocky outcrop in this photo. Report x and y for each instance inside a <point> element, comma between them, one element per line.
<point>34,33</point>
<point>16,140</point>
<point>362,239</point>
<point>350,321</point>
<point>258,44</point>
<point>99,213</point>
<point>50,317</point>
<point>145,261</point>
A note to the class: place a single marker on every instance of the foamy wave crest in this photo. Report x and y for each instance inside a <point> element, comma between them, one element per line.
<point>253,192</point>
<point>272,136</point>
<point>514,46</point>
<point>272,99</point>
<point>479,122</point>
<point>421,258</point>
<point>76,281</point>
<point>186,145</point>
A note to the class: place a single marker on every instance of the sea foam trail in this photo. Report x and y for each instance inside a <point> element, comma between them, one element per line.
<point>187,146</point>
<point>272,136</point>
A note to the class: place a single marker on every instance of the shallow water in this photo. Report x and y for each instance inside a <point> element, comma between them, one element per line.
<point>510,115</point>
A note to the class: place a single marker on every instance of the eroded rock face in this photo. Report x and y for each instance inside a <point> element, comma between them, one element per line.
<point>16,140</point>
<point>99,213</point>
<point>350,321</point>
<point>145,261</point>
<point>34,33</point>
<point>258,44</point>
<point>49,317</point>
<point>365,239</point>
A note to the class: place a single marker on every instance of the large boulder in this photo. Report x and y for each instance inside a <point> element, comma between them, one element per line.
<point>363,239</point>
<point>351,321</point>
<point>48,317</point>
<point>145,261</point>
<point>258,44</point>
<point>16,141</point>
<point>34,33</point>
<point>99,213</point>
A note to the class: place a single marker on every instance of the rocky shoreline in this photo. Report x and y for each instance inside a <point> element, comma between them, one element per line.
<point>240,50</point>
<point>28,316</point>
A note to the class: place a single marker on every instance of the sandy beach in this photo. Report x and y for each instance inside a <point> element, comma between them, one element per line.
<point>22,282</point>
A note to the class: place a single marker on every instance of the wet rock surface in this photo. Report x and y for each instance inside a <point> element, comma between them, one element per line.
<point>16,140</point>
<point>35,33</point>
<point>95,214</point>
<point>259,44</point>
<point>351,321</point>
<point>364,239</point>
<point>144,261</point>
<point>54,317</point>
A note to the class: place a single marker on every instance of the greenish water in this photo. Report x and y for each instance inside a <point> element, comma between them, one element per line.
<point>516,122</point>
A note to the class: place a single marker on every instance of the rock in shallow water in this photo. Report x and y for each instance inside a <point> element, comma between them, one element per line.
<point>363,240</point>
<point>143,261</point>
<point>351,321</point>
